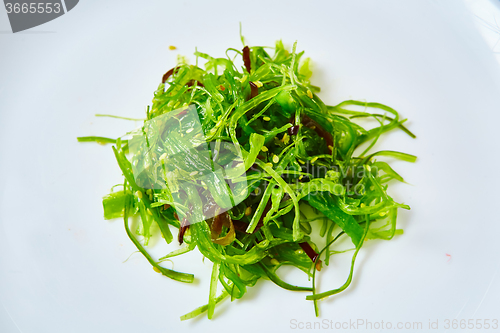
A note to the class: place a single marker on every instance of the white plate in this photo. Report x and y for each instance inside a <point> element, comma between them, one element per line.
<point>61,264</point>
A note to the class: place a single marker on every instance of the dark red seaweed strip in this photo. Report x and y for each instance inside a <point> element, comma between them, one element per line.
<point>246,58</point>
<point>182,230</point>
<point>184,225</point>
<point>240,225</point>
<point>294,130</point>
<point>254,90</point>
<point>168,74</point>
<point>309,251</point>
<point>218,221</point>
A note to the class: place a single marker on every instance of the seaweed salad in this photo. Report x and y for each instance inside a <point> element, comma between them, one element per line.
<point>231,153</point>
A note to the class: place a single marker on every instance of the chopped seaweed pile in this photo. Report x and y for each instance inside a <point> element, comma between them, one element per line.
<point>294,151</point>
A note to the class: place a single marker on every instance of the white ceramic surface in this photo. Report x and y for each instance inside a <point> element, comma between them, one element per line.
<point>61,264</point>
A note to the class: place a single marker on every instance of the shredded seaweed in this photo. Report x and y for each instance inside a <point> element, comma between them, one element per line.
<point>295,152</point>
